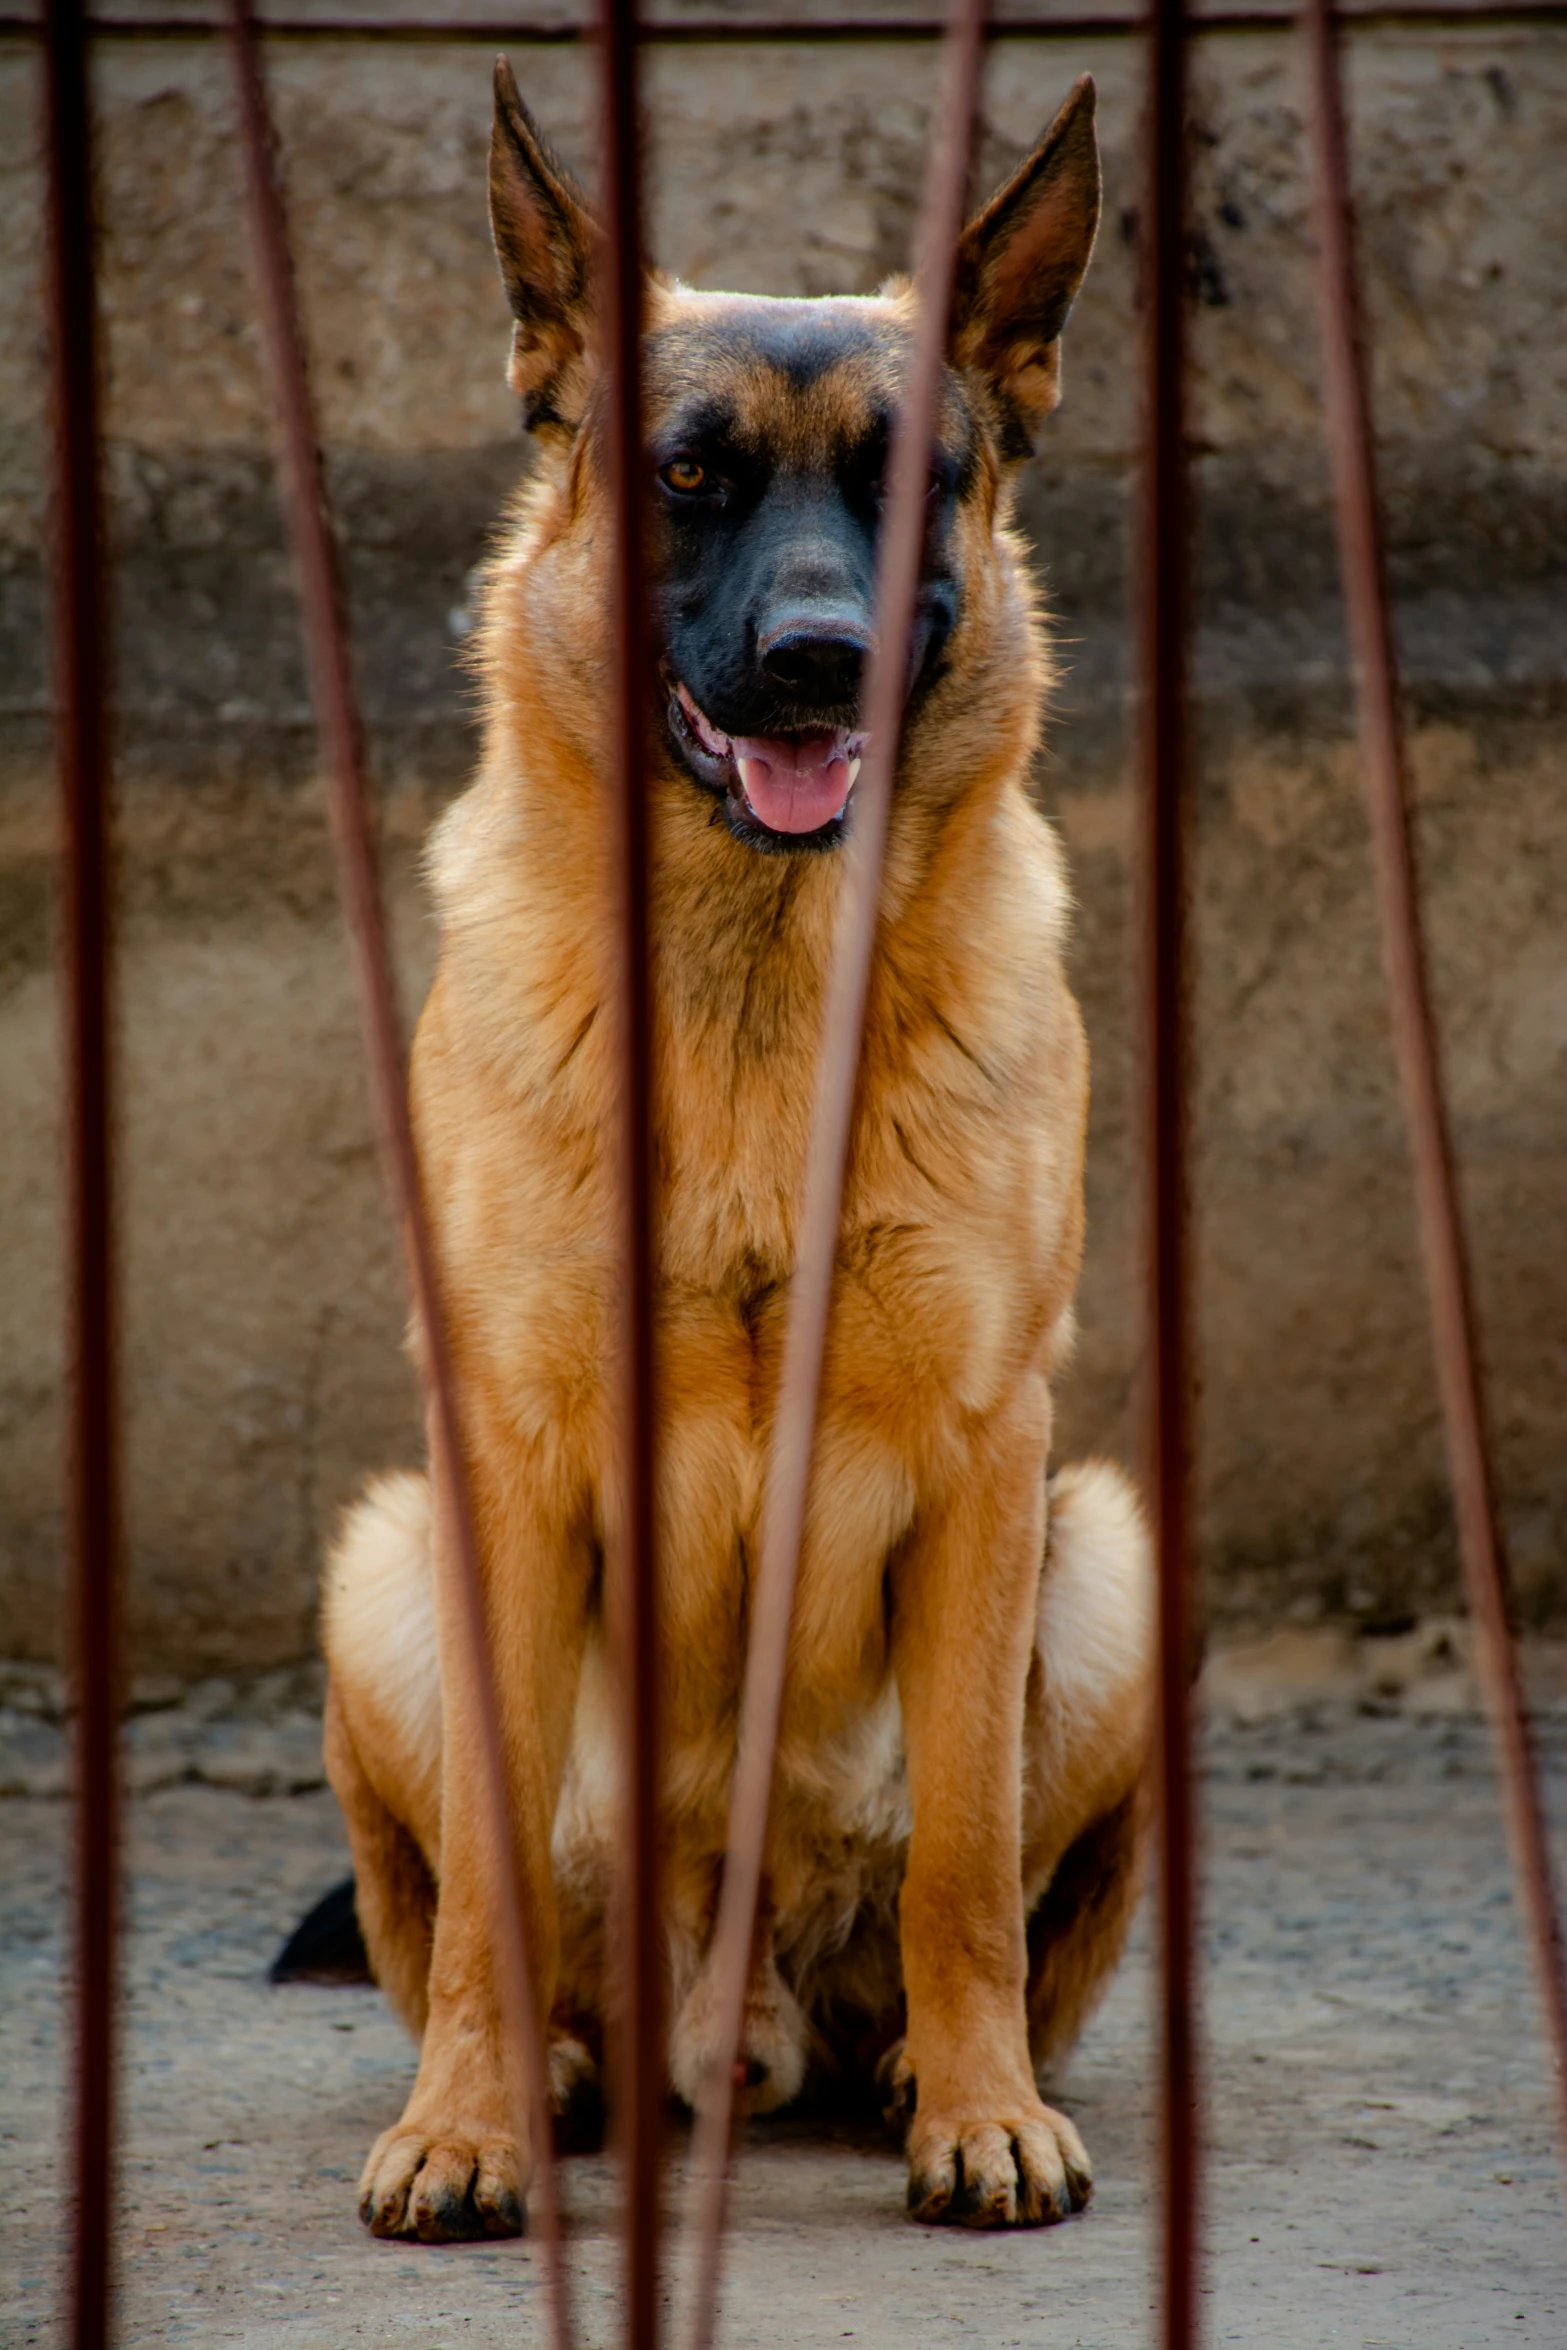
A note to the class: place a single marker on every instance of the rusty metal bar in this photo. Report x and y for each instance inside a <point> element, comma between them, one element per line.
<point>1268,16</point>
<point>337,719</point>
<point>1163,652</point>
<point>1459,1376</point>
<point>82,698</point>
<point>843,1017</point>
<point>635,1585</point>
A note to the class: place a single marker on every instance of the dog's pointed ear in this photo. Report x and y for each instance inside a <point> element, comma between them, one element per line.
<point>1019,264</point>
<point>549,247</point>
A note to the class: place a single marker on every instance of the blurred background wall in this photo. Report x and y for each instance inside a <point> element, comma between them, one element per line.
<point>263,1369</point>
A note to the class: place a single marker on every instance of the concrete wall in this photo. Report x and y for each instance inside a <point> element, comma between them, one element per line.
<point>263,1309</point>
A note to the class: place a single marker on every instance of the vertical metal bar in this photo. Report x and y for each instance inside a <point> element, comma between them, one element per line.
<point>326,642</point>
<point>82,691</point>
<point>810,1289</point>
<point>1414,1032</point>
<point>635,1588</point>
<point>1164,880</point>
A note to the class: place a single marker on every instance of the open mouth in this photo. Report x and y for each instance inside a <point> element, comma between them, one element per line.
<point>790,788</point>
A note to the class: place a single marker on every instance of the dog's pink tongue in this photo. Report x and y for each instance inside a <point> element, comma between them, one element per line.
<point>794,783</point>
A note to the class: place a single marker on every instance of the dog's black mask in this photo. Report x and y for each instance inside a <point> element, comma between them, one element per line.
<point>770,481</point>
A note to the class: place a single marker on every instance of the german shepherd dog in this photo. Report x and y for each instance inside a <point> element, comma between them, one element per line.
<point>958,1817</point>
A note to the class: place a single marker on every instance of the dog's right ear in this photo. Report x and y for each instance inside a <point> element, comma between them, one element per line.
<point>1019,264</point>
<point>549,247</point>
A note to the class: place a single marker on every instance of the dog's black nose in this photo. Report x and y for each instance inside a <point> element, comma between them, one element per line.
<point>815,661</point>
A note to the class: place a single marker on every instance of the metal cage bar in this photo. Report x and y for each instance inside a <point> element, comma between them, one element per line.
<point>1167,1368</point>
<point>821,1199</point>
<point>635,1584</point>
<point>337,719</point>
<point>1460,1378</point>
<point>726,31</point>
<point>82,691</point>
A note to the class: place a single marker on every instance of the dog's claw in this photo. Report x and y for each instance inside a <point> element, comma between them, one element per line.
<point>576,2097</point>
<point>896,2088</point>
<point>931,2192</point>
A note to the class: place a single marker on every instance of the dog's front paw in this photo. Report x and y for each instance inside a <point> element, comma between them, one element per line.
<point>444,2187</point>
<point>1023,2167</point>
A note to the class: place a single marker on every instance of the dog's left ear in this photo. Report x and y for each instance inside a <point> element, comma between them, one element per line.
<point>1019,265</point>
<point>549,247</point>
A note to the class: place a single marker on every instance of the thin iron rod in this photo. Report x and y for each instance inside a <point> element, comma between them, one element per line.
<point>634,1590</point>
<point>1448,1288</point>
<point>82,696</point>
<point>843,1017</point>
<point>719,31</point>
<point>1167,524</point>
<point>337,719</point>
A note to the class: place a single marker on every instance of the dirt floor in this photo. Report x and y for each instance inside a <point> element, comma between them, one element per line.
<point>1381,2170</point>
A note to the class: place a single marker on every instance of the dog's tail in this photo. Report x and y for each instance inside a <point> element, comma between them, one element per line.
<point>1097,1639</point>
<point>327,1945</point>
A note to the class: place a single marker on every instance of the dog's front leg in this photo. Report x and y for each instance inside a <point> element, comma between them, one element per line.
<point>982,2147</point>
<point>458,2164</point>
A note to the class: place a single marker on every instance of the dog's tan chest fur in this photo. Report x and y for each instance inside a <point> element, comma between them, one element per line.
<point>954,1258</point>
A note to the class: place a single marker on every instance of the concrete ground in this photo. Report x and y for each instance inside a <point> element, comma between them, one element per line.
<point>1381,2170</point>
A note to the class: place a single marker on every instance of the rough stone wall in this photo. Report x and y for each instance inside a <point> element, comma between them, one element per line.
<point>263,1315</point>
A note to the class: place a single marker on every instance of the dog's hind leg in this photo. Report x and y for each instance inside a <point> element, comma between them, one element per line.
<point>1085,1749</point>
<point>394,1892</point>
<point>383,1757</point>
<point>383,1729</point>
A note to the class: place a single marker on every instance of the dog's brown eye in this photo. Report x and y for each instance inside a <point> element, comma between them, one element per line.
<point>684,474</point>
